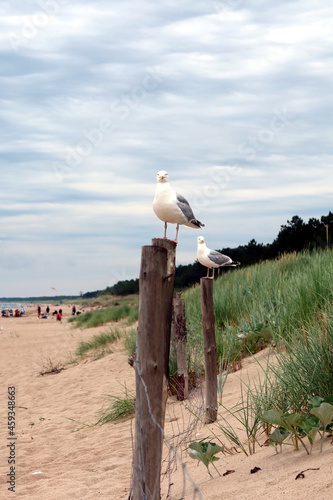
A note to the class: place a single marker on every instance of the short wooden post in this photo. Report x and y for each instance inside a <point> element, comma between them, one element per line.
<point>155,306</point>
<point>180,339</point>
<point>208,329</point>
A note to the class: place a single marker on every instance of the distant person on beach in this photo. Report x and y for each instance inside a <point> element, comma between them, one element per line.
<point>47,310</point>
<point>73,310</point>
<point>38,311</point>
<point>59,315</point>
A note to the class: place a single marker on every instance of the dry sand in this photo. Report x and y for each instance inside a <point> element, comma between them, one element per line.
<point>78,461</point>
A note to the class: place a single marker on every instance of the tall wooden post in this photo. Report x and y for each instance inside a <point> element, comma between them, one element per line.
<point>208,329</point>
<point>170,246</point>
<point>166,313</point>
<point>180,339</point>
<point>155,303</point>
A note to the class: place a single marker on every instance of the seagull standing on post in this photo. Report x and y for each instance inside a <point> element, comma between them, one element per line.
<point>211,258</point>
<point>171,207</point>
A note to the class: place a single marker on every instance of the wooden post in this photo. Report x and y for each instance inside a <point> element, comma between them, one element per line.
<point>170,246</point>
<point>180,339</point>
<point>155,303</point>
<point>208,329</point>
<point>166,313</point>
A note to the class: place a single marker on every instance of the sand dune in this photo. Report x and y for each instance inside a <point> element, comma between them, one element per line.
<point>76,460</point>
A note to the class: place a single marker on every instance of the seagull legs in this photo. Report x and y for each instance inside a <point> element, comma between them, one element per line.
<point>210,277</point>
<point>177,229</point>
<point>165,231</point>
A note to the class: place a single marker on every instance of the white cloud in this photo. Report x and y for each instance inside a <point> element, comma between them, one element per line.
<point>232,98</point>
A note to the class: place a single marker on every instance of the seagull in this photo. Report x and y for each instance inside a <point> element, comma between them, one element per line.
<point>212,258</point>
<point>172,207</point>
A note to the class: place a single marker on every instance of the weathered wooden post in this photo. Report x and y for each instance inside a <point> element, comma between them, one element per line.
<point>208,329</point>
<point>153,343</point>
<point>170,246</point>
<point>180,339</point>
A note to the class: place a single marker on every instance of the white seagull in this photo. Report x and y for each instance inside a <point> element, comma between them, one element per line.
<point>172,207</point>
<point>211,258</point>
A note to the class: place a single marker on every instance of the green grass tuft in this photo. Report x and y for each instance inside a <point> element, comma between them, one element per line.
<point>119,408</point>
<point>97,341</point>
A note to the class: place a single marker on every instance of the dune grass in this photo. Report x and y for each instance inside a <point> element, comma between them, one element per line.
<point>291,297</point>
<point>130,342</point>
<point>97,342</point>
<point>303,369</point>
<point>99,317</point>
<point>268,300</point>
<point>118,407</point>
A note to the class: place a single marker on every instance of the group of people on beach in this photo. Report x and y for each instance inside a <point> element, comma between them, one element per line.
<point>42,315</point>
<point>17,313</point>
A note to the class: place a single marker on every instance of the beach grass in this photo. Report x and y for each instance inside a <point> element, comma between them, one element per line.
<point>303,368</point>
<point>264,302</point>
<point>130,342</point>
<point>119,407</point>
<point>99,341</point>
<point>98,317</point>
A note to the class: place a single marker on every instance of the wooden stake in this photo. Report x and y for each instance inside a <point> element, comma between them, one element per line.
<point>180,340</point>
<point>208,329</point>
<point>153,344</point>
<point>170,246</point>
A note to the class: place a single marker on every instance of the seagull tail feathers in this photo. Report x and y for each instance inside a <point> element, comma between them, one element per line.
<point>197,223</point>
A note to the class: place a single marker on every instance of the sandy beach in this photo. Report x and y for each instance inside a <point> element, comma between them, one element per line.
<point>61,455</point>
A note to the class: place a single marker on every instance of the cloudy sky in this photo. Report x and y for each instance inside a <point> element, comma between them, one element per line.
<point>233,98</point>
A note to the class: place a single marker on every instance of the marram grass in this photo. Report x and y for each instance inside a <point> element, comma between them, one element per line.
<point>101,316</point>
<point>274,297</point>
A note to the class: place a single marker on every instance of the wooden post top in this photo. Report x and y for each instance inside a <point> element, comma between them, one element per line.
<point>170,246</point>
<point>165,243</point>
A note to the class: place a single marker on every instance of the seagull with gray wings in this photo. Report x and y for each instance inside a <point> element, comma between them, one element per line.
<point>211,258</point>
<point>172,207</point>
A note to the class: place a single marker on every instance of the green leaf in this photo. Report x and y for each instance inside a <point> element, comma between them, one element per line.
<point>324,413</point>
<point>292,421</point>
<point>196,446</point>
<point>212,449</point>
<point>279,435</point>
<point>315,402</point>
<point>310,426</point>
<point>199,456</point>
<point>273,417</point>
<point>205,451</point>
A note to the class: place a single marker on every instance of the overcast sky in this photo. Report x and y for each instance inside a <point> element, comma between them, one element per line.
<point>233,98</point>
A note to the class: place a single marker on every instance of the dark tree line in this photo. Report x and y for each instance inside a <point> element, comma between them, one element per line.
<point>296,235</point>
